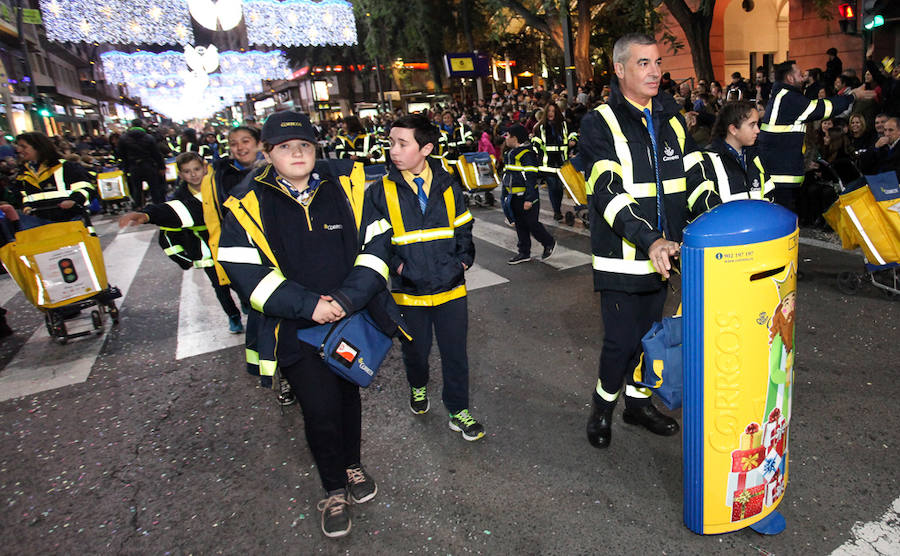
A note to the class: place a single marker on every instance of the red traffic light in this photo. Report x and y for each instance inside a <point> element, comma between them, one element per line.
<point>846,11</point>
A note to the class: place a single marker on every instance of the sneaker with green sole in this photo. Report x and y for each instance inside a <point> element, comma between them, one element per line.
<point>418,400</point>
<point>466,424</point>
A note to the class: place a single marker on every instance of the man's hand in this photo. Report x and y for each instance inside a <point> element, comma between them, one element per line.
<point>527,205</point>
<point>860,93</point>
<point>870,51</point>
<point>67,204</point>
<point>660,252</point>
<point>882,142</point>
<point>133,218</point>
<point>327,311</point>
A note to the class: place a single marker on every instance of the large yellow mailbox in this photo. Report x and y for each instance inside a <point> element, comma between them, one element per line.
<point>739,295</point>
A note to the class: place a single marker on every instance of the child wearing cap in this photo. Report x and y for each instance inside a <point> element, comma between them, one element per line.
<point>520,185</point>
<point>183,234</point>
<point>289,238</point>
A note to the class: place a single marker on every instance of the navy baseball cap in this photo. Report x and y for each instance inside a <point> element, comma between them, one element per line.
<point>287,125</point>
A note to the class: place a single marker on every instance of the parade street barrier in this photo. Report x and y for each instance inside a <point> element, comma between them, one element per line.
<point>739,264</point>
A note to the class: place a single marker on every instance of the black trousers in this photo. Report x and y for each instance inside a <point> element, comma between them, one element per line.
<point>527,225</point>
<point>449,323</point>
<point>223,293</point>
<point>626,318</point>
<point>332,416</point>
<point>146,173</point>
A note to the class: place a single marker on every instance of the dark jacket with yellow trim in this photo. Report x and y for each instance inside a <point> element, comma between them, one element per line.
<point>733,181</point>
<point>430,268</point>
<point>183,236</point>
<point>623,219</point>
<point>521,172</point>
<point>264,257</point>
<point>783,130</point>
<point>215,189</point>
<point>77,185</point>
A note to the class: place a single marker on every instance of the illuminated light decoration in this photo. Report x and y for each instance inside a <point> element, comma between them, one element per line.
<point>136,69</point>
<point>212,14</point>
<point>299,22</point>
<point>117,21</point>
<point>205,59</point>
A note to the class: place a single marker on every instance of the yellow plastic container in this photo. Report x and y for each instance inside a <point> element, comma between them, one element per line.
<point>56,264</point>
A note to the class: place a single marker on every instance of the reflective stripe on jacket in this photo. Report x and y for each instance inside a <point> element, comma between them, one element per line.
<point>783,130</point>
<point>733,182</point>
<point>622,184</point>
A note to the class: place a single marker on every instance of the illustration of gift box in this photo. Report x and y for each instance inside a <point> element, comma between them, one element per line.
<point>771,465</point>
<point>748,502</point>
<point>774,488</point>
<point>775,432</point>
<point>739,481</point>
<point>745,460</point>
<point>751,437</point>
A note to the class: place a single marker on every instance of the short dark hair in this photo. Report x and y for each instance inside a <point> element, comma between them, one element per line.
<point>46,150</point>
<point>137,122</point>
<point>831,51</point>
<point>736,75</point>
<point>354,125</point>
<point>189,156</point>
<point>732,113</point>
<point>250,130</point>
<point>423,130</point>
<point>783,69</point>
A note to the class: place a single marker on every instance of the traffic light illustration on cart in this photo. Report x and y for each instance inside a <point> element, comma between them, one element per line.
<point>68,271</point>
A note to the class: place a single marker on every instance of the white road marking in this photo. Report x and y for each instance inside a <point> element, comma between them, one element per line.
<point>505,238</point>
<point>874,537</point>
<point>42,364</point>
<point>202,325</point>
<point>479,277</point>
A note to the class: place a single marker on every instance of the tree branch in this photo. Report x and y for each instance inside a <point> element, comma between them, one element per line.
<point>531,19</point>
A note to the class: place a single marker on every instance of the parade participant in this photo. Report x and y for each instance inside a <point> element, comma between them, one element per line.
<point>457,137</point>
<point>183,235</point>
<point>355,143</point>
<point>520,182</point>
<point>784,128</point>
<point>733,156</point>
<point>56,190</point>
<point>142,162</point>
<point>243,146</point>
<point>551,140</point>
<point>209,148</point>
<point>288,238</point>
<point>416,225</point>
<point>645,178</point>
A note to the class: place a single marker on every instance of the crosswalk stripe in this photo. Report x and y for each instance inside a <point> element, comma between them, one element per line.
<point>505,238</point>
<point>479,277</point>
<point>44,365</point>
<point>202,325</point>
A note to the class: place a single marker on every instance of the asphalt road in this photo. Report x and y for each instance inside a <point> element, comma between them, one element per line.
<point>157,455</point>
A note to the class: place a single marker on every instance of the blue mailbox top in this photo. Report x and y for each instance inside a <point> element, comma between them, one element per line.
<point>740,223</point>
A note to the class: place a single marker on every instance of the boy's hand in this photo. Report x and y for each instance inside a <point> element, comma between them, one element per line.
<point>133,218</point>
<point>326,311</point>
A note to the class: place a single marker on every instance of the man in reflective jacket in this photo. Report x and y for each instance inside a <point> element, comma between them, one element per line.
<point>646,180</point>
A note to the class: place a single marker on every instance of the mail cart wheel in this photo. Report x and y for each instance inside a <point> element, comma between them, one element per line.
<point>61,334</point>
<point>848,282</point>
<point>96,320</point>
<point>489,199</point>
<point>113,312</point>
<point>570,218</point>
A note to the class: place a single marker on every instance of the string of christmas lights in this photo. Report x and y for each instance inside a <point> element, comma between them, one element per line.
<point>299,22</point>
<point>118,21</point>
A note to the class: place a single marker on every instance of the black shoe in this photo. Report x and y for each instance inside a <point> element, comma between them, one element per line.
<point>558,216</point>
<point>335,514</point>
<point>599,426</point>
<point>286,395</point>
<point>548,251</point>
<point>360,485</point>
<point>651,419</point>
<point>519,258</point>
